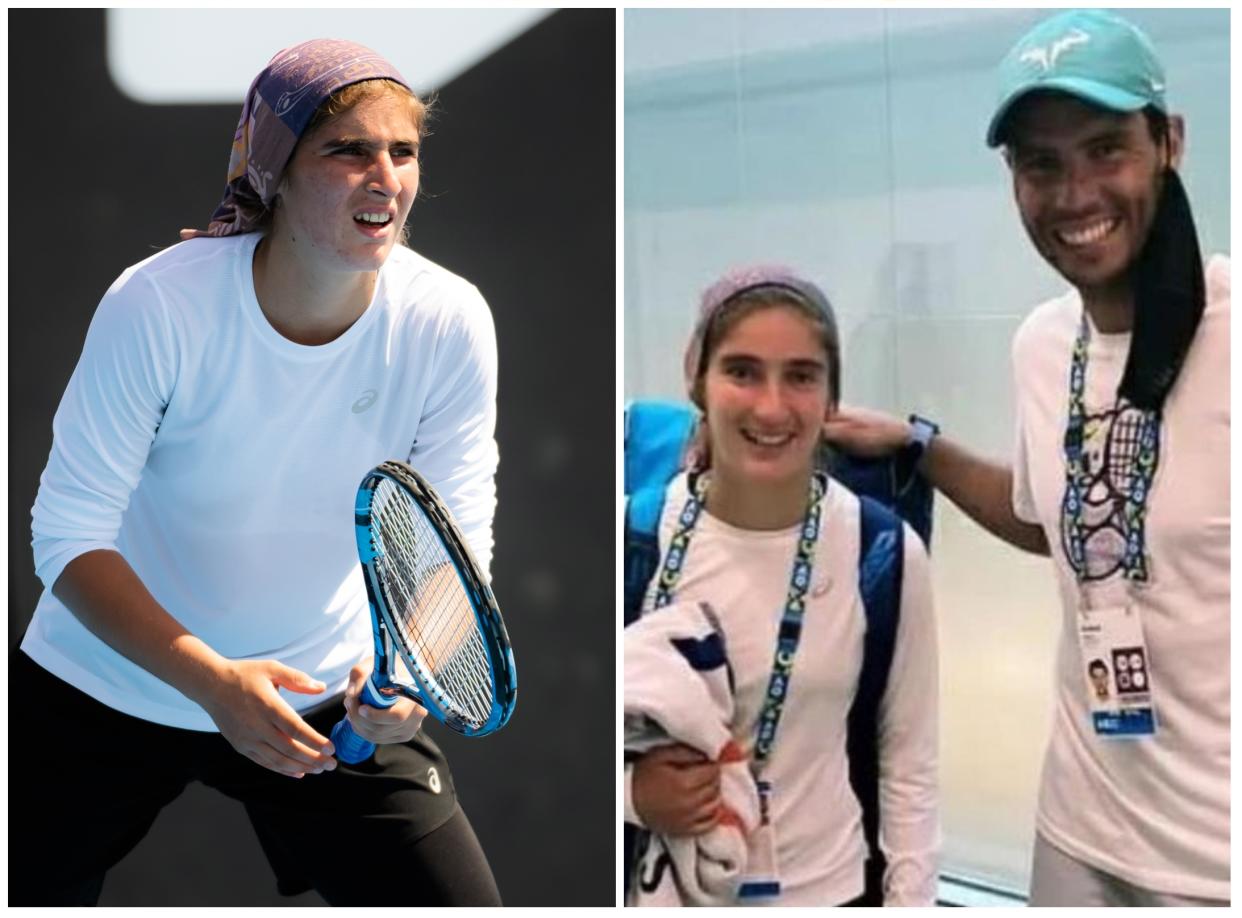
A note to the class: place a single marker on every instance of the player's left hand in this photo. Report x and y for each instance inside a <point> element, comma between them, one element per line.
<point>396,724</point>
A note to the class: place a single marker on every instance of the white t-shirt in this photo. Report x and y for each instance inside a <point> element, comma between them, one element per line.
<point>1153,811</point>
<point>222,460</point>
<point>744,576</point>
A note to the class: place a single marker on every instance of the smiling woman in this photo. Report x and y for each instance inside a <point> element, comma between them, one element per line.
<point>192,526</point>
<point>767,360</point>
<point>763,368</point>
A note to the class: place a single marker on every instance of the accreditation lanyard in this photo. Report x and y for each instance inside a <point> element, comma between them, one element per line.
<point>1077,479</point>
<point>795,602</point>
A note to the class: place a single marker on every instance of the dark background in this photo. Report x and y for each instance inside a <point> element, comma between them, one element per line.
<point>518,196</point>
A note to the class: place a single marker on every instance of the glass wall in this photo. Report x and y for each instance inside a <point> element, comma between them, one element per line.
<point>849,144</point>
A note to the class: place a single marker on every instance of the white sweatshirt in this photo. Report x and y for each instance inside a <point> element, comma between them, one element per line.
<point>221,460</point>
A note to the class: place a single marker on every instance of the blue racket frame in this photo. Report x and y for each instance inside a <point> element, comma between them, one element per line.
<point>381,689</point>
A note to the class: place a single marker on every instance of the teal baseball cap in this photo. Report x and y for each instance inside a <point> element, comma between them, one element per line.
<point>1094,55</point>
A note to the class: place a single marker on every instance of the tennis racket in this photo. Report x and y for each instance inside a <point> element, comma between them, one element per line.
<point>439,638</point>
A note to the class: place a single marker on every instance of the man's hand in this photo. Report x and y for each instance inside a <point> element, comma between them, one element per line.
<point>260,724</point>
<point>867,433</point>
<point>396,724</point>
<point>676,791</point>
<point>982,489</point>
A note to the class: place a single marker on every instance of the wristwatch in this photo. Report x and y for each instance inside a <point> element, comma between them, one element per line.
<point>921,433</point>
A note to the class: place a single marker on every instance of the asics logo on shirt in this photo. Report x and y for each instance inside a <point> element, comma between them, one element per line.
<point>433,780</point>
<point>365,401</point>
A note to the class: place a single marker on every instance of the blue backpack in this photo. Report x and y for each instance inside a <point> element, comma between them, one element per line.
<point>656,437</point>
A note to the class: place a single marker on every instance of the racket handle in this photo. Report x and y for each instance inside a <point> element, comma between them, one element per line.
<point>350,747</point>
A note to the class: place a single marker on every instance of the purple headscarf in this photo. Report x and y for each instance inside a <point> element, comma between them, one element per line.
<point>278,107</point>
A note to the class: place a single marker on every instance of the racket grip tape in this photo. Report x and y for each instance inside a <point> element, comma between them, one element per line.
<point>350,747</point>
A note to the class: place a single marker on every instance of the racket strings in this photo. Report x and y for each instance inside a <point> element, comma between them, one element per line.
<point>431,610</point>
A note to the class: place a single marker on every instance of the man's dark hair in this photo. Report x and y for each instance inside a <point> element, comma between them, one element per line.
<point>1097,664</point>
<point>1157,124</point>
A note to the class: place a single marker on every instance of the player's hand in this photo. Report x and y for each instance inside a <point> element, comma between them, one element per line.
<point>260,724</point>
<point>676,790</point>
<point>862,432</point>
<point>396,724</point>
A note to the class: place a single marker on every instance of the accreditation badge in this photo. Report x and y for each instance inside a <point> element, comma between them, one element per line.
<point>761,881</point>
<point>1117,672</point>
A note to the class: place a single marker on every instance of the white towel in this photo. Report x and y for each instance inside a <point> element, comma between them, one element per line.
<point>678,689</point>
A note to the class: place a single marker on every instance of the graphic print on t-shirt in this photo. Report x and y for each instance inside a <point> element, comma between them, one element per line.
<point>1110,453</point>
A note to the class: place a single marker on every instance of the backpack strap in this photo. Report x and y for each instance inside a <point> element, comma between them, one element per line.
<point>641,546</point>
<point>894,481</point>
<point>656,436</point>
<point>880,564</point>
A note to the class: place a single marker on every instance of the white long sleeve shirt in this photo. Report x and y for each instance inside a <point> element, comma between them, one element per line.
<point>744,576</point>
<point>221,460</point>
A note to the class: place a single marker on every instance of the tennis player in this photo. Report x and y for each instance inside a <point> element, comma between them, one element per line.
<point>763,366</point>
<point>1121,470</point>
<point>204,617</point>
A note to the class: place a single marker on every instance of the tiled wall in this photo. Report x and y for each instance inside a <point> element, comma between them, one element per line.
<point>849,144</point>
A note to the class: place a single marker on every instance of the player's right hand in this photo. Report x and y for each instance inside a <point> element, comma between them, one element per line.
<point>260,724</point>
<point>676,790</point>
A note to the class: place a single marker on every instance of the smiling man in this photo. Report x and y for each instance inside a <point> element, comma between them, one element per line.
<point>1121,471</point>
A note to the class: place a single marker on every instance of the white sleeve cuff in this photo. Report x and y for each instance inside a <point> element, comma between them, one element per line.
<point>52,556</point>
